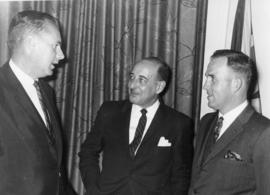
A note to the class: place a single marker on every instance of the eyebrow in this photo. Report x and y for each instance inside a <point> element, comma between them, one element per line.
<point>209,75</point>
<point>140,76</point>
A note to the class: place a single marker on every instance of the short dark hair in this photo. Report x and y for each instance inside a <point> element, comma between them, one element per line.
<point>240,63</point>
<point>164,70</point>
<point>25,22</point>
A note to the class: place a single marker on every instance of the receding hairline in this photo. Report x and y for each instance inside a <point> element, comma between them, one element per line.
<point>29,22</point>
<point>149,63</point>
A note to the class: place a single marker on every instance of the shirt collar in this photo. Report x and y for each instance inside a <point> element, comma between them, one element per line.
<point>150,109</point>
<point>23,77</point>
<point>234,112</point>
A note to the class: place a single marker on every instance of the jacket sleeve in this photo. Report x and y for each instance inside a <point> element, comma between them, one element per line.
<point>183,155</point>
<point>261,158</point>
<point>90,154</point>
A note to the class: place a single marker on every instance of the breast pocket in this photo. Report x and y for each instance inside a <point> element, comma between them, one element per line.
<point>162,154</point>
<point>236,173</point>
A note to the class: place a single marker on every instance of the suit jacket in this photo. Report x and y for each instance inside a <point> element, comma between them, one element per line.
<point>238,162</point>
<point>154,170</point>
<point>29,163</point>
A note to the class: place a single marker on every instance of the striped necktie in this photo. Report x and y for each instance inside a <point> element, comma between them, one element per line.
<point>45,111</point>
<point>218,128</point>
<point>138,134</point>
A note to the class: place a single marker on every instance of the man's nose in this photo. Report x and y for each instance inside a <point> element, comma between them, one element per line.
<point>133,83</point>
<point>205,85</point>
<point>60,55</point>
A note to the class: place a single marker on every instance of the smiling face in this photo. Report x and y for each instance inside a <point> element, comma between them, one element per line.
<point>218,85</point>
<point>46,52</point>
<point>143,85</point>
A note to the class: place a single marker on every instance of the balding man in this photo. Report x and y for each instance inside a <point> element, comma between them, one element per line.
<point>147,146</point>
<point>30,137</point>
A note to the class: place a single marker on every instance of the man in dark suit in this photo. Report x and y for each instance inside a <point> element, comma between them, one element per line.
<point>146,145</point>
<point>30,137</point>
<point>232,153</point>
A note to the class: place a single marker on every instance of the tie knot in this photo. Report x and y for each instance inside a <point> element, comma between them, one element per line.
<point>218,128</point>
<point>36,84</point>
<point>220,120</point>
<point>143,111</point>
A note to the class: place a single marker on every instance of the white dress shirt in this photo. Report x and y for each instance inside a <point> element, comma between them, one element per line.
<point>230,116</point>
<point>28,85</point>
<point>135,116</point>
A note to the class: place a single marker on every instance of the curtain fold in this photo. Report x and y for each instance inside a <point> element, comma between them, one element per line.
<point>102,39</point>
<point>199,61</point>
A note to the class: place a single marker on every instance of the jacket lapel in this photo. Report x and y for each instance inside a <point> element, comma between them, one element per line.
<point>155,129</point>
<point>124,124</point>
<point>21,97</point>
<point>207,136</point>
<point>231,133</point>
<point>29,114</point>
<point>54,121</point>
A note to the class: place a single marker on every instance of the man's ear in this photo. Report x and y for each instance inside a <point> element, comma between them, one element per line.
<point>237,84</point>
<point>160,86</point>
<point>30,43</point>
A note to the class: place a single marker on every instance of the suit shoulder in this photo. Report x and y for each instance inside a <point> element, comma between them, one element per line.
<point>208,116</point>
<point>113,104</point>
<point>258,129</point>
<point>206,121</point>
<point>173,113</point>
<point>259,122</point>
<point>112,107</point>
<point>4,80</point>
<point>263,120</point>
<point>3,75</point>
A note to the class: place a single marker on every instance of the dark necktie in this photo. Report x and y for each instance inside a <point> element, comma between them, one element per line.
<point>218,128</point>
<point>138,134</point>
<point>212,138</point>
<point>45,111</point>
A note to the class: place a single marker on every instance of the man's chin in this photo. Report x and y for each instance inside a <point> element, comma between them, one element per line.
<point>50,72</point>
<point>211,105</point>
<point>132,99</point>
<point>47,74</point>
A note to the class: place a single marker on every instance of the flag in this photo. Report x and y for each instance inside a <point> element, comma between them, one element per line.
<point>243,40</point>
<point>235,22</point>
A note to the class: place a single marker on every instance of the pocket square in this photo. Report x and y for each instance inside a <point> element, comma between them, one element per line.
<point>233,156</point>
<point>163,142</point>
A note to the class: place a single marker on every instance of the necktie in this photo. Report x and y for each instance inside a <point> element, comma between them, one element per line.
<point>212,138</point>
<point>218,128</point>
<point>45,111</point>
<point>139,133</point>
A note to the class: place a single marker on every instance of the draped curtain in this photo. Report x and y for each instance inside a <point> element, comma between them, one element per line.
<point>101,40</point>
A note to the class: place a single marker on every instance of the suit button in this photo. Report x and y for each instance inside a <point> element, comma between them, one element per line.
<point>59,174</point>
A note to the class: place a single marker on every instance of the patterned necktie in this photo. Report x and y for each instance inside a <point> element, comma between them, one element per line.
<point>45,111</point>
<point>218,128</point>
<point>138,134</point>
